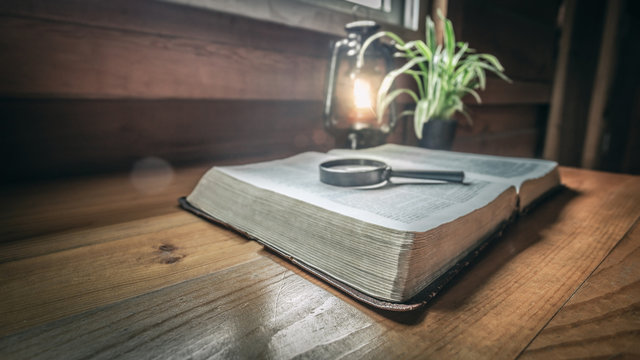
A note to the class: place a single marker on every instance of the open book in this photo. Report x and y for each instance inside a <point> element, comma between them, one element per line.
<point>391,246</point>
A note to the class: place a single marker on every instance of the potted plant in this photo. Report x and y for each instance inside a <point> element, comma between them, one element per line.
<point>444,74</point>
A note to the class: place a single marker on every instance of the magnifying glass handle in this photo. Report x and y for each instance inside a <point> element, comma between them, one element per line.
<point>450,176</point>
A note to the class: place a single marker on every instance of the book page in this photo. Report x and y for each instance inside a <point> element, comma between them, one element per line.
<point>404,207</point>
<point>509,170</point>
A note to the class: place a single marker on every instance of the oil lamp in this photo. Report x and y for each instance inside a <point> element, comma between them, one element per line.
<point>349,107</point>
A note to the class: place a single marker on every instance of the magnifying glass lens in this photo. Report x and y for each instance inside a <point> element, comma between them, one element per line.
<point>353,172</point>
<point>365,172</point>
<point>353,168</point>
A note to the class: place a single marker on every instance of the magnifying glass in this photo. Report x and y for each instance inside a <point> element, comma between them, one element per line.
<point>364,172</point>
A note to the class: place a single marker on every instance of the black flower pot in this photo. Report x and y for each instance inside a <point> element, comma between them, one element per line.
<point>438,134</point>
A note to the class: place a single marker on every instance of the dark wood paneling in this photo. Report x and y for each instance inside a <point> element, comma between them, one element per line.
<point>583,60</point>
<point>631,161</point>
<point>506,130</point>
<point>574,83</point>
<point>56,137</point>
<point>521,34</point>
<point>488,120</point>
<point>622,149</point>
<point>92,86</point>
<point>500,130</point>
<point>163,19</point>
<point>45,58</point>
<point>499,92</point>
<point>45,138</point>
<point>521,143</point>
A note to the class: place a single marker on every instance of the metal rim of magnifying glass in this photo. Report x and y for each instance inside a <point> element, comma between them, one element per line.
<point>339,177</point>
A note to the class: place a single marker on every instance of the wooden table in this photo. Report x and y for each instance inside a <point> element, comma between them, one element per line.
<point>95,267</point>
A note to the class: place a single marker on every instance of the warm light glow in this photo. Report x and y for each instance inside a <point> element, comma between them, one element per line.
<point>362,94</point>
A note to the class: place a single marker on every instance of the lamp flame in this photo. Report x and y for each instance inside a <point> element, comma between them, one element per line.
<point>362,94</point>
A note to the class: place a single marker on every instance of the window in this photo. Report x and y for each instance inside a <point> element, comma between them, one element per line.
<point>402,13</point>
<point>329,16</point>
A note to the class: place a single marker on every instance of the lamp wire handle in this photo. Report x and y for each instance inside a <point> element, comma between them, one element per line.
<point>330,80</point>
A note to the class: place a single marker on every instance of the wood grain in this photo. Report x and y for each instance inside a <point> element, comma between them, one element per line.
<point>99,267</point>
<point>43,139</point>
<point>183,84</point>
<point>439,7</point>
<point>34,210</point>
<point>78,237</point>
<point>500,130</point>
<point>558,92</point>
<point>495,119</point>
<point>521,34</point>
<point>522,143</point>
<point>132,295</point>
<point>48,138</point>
<point>574,81</point>
<point>258,309</point>
<point>519,92</point>
<point>552,258</point>
<point>623,104</point>
<point>93,62</point>
<point>80,278</point>
<point>506,130</point>
<point>139,50</point>
<point>163,19</point>
<point>591,150</point>
<point>602,319</point>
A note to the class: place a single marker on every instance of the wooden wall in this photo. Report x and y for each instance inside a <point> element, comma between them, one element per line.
<point>622,112</point>
<point>594,120</point>
<point>92,86</point>
<point>523,35</point>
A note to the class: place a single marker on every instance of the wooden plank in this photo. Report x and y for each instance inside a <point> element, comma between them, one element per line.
<point>567,125</point>
<point>554,124</point>
<point>69,205</point>
<point>45,138</point>
<point>620,148</point>
<point>497,129</point>
<point>520,143</point>
<point>630,161</point>
<point>602,319</point>
<point>522,38</point>
<point>263,308</point>
<point>496,119</point>
<point>602,83</point>
<point>163,19</point>
<point>499,92</point>
<point>48,58</point>
<point>542,12</point>
<point>439,7</point>
<point>36,211</point>
<point>209,316</point>
<point>78,279</point>
<point>51,138</point>
<point>71,239</point>
<point>107,62</point>
<point>48,138</point>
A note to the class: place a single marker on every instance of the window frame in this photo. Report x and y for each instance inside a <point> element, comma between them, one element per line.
<point>305,14</point>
